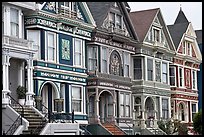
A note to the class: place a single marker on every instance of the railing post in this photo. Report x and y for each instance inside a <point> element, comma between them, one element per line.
<point>72,116</point>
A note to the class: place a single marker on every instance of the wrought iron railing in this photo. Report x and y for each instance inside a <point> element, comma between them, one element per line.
<point>14,126</point>
<point>19,120</point>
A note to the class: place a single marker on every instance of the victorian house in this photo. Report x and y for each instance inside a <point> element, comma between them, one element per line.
<point>150,86</point>
<point>17,57</point>
<point>55,76</point>
<point>109,63</point>
<point>184,71</point>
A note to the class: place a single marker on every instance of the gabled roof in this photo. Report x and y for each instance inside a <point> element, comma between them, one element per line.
<point>177,31</point>
<point>99,11</point>
<point>142,21</point>
<point>199,36</point>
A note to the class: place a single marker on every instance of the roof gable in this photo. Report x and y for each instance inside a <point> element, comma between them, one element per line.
<point>103,17</point>
<point>142,21</point>
<point>83,13</point>
<point>145,21</point>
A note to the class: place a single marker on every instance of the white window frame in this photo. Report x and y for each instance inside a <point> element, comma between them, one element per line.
<point>153,34</point>
<point>47,47</point>
<point>182,77</point>
<point>172,76</point>
<point>82,58</point>
<point>192,110</point>
<point>91,58</point>
<point>104,59</point>
<point>192,72</point>
<point>126,57</point>
<point>139,69</point>
<point>152,69</point>
<point>81,99</point>
<point>114,21</point>
<point>19,18</point>
<point>184,48</point>
<point>122,104</point>
<point>165,73</point>
<point>188,47</point>
<point>127,104</point>
<point>160,67</point>
<point>37,55</point>
<point>70,5</point>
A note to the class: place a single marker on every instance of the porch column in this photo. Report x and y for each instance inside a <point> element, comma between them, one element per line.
<point>29,94</point>
<point>143,110</point>
<point>169,107</point>
<point>97,107</point>
<point>5,80</point>
<point>160,108</point>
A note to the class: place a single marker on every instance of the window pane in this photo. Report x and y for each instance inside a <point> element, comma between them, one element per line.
<point>193,107</point>
<point>76,92</point>
<point>76,99</point>
<point>137,69</point>
<point>150,69</point>
<point>158,71</point>
<point>121,98</point>
<point>14,16</point>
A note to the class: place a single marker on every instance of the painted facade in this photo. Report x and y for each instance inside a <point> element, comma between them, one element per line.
<point>151,91</point>
<point>60,31</point>
<point>109,65</point>
<point>184,71</point>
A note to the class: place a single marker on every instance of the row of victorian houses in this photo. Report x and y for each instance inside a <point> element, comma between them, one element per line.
<point>99,61</point>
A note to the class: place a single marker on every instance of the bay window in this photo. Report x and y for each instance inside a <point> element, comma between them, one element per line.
<point>121,105</point>
<point>193,107</point>
<point>104,60</point>
<point>34,35</point>
<point>137,68</point>
<point>51,46</point>
<point>92,58</point>
<point>78,52</point>
<point>150,69</point>
<point>181,77</point>
<point>158,71</point>
<point>14,22</point>
<point>194,81</point>
<point>77,99</point>
<point>127,105</point>
<point>164,73</point>
<point>172,76</point>
<point>165,110</point>
<point>126,64</point>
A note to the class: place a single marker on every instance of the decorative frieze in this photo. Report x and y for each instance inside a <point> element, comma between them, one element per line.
<point>184,96</point>
<point>113,43</point>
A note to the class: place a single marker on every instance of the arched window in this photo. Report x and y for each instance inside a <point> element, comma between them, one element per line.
<point>181,112</point>
<point>115,63</point>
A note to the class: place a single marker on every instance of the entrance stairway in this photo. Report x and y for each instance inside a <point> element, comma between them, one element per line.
<point>156,131</point>
<point>113,129</point>
<point>36,121</point>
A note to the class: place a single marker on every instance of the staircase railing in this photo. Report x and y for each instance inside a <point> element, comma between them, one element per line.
<point>48,115</point>
<point>19,120</point>
<point>14,126</point>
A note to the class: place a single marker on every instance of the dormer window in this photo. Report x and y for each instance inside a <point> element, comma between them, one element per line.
<point>68,9</point>
<point>156,35</point>
<point>115,20</point>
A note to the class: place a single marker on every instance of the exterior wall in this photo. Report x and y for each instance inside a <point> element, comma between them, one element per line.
<point>61,74</point>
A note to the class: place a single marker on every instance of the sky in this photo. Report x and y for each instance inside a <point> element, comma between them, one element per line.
<point>170,10</point>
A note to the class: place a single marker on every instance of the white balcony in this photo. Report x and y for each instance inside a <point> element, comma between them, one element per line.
<point>17,43</point>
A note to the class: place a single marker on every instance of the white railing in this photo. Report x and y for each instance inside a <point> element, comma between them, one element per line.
<point>67,13</point>
<point>17,42</point>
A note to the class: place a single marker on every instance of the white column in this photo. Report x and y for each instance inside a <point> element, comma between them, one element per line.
<point>160,108</point>
<point>97,107</point>
<point>5,66</point>
<point>169,107</point>
<point>143,109</point>
<point>29,94</point>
